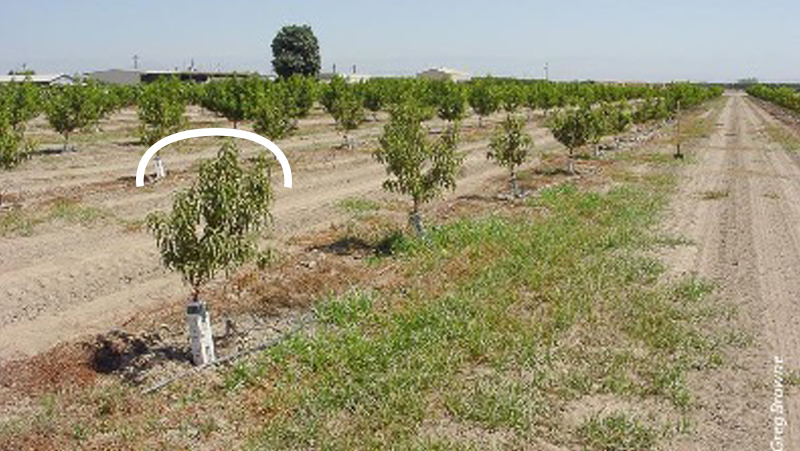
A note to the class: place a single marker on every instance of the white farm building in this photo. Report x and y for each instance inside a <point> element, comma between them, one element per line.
<point>444,73</point>
<point>39,79</point>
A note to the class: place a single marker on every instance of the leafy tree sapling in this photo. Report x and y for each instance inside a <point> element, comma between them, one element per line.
<point>271,115</point>
<point>451,101</point>
<point>13,148</point>
<point>573,130</point>
<point>374,97</point>
<point>213,226</point>
<point>343,102</point>
<point>301,93</point>
<point>484,99</point>
<point>419,167</point>
<point>599,126</point>
<point>512,97</point>
<point>161,110</point>
<point>510,147</point>
<point>72,107</point>
<point>231,98</point>
<point>21,101</point>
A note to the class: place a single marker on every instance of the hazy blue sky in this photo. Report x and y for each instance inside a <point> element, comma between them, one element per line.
<point>624,39</point>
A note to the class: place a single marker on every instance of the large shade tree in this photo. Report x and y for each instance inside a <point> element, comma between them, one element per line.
<point>295,51</point>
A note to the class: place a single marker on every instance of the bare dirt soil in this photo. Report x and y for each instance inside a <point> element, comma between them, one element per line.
<point>738,206</point>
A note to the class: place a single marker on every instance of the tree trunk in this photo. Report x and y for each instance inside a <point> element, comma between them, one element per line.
<point>515,184</point>
<point>571,164</point>
<point>415,220</point>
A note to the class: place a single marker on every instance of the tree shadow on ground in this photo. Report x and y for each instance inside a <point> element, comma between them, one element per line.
<point>552,171</point>
<point>354,246</point>
<point>131,356</point>
<point>52,151</point>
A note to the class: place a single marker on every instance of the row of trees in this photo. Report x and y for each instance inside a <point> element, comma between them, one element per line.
<point>214,224</point>
<point>274,108</point>
<point>589,123</point>
<point>780,95</point>
<point>67,109</point>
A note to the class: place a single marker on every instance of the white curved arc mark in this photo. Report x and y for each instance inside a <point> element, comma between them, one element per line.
<point>196,133</point>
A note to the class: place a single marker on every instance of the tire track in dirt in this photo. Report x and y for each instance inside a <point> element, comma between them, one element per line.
<point>745,241</point>
<point>777,229</point>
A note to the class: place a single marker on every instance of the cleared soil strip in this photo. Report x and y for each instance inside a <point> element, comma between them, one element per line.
<point>738,206</point>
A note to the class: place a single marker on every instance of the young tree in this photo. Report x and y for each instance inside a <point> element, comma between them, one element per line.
<point>161,110</point>
<point>21,102</point>
<point>545,95</point>
<point>301,93</point>
<point>214,224</point>
<point>374,97</point>
<point>512,97</point>
<point>510,146</point>
<point>599,125</point>
<point>271,115</point>
<point>349,114</point>
<point>72,107</point>
<point>231,98</point>
<point>617,118</point>
<point>421,168</point>
<point>451,101</point>
<point>343,102</point>
<point>295,50</point>
<point>13,149</point>
<point>573,130</point>
<point>484,99</point>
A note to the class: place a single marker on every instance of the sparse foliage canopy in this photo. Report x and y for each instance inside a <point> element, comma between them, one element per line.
<point>420,167</point>
<point>213,225</point>
<point>510,147</point>
<point>161,110</point>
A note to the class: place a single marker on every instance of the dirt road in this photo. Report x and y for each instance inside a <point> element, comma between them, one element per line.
<point>67,280</point>
<point>739,207</point>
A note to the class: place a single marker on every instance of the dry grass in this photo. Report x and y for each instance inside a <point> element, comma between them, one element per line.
<point>783,137</point>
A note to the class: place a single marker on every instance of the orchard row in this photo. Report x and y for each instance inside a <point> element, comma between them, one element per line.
<point>274,107</point>
<point>783,96</point>
<point>214,225</point>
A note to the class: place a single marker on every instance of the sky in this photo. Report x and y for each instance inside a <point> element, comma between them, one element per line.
<point>700,40</point>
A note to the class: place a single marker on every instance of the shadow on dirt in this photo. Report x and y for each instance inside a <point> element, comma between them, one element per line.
<point>353,246</point>
<point>52,151</point>
<point>551,171</point>
<point>131,356</point>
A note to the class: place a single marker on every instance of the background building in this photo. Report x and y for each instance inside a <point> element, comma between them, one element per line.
<point>444,73</point>
<point>132,77</point>
<point>39,79</point>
